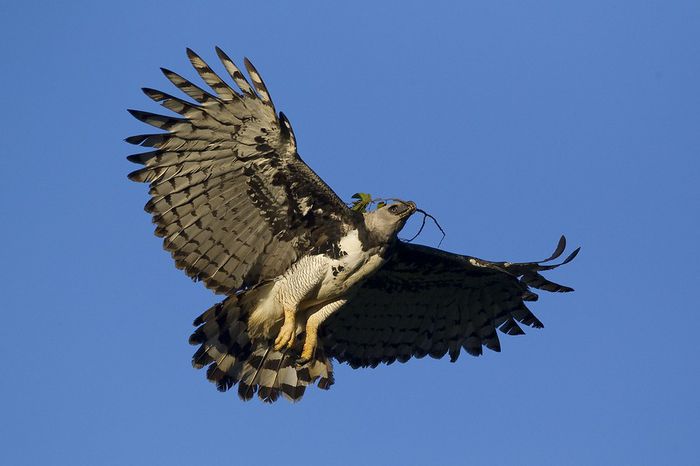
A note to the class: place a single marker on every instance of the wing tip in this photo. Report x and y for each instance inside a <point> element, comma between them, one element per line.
<point>219,51</point>
<point>135,158</point>
<point>572,256</point>
<point>149,91</point>
<point>168,73</point>
<point>135,140</point>
<point>226,60</point>
<point>139,176</point>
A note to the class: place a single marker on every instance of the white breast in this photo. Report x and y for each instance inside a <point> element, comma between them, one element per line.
<point>353,266</point>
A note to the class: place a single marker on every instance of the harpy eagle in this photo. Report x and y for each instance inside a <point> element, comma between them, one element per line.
<point>307,279</point>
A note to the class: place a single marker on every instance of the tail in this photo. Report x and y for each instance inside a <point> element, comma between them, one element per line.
<point>234,357</point>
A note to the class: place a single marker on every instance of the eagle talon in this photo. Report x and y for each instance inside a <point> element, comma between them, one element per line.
<point>307,353</point>
<point>286,337</point>
<point>301,361</point>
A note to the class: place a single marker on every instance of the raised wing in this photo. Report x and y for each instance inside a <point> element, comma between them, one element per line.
<point>230,196</point>
<point>426,301</point>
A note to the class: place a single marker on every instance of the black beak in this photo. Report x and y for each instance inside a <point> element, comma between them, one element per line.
<point>407,208</point>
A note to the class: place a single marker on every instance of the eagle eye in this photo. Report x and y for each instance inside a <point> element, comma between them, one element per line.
<point>393,209</point>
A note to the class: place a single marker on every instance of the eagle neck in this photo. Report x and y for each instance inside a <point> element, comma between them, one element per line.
<point>376,239</point>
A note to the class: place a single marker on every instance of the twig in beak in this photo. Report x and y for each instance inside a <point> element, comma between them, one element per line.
<point>427,215</point>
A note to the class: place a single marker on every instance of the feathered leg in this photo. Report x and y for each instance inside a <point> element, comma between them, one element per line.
<point>295,286</point>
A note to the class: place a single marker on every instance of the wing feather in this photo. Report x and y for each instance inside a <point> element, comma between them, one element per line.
<point>192,90</point>
<point>431,302</point>
<point>220,86</point>
<point>258,83</point>
<point>235,73</point>
<point>230,196</point>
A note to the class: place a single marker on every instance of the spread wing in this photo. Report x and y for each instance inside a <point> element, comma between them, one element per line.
<point>426,301</point>
<point>231,198</point>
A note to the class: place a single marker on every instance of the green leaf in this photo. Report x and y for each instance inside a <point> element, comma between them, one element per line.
<point>363,200</point>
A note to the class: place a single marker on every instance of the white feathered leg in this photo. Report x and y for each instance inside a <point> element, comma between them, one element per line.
<point>300,280</point>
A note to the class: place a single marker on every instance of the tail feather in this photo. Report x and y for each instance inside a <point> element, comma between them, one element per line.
<point>234,358</point>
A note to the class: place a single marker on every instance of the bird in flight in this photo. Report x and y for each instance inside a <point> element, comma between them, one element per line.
<point>306,277</point>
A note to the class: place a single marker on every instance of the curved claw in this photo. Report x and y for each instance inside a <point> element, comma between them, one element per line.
<point>286,337</point>
<point>307,354</point>
<point>301,361</point>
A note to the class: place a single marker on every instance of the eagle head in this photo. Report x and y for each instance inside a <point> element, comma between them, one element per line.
<point>386,221</point>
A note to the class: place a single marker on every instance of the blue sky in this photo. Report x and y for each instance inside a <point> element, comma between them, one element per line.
<point>512,122</point>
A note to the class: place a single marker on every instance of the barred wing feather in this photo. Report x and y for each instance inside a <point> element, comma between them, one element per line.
<point>425,301</point>
<point>230,196</point>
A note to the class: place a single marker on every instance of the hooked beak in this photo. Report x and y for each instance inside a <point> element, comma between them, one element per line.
<point>408,208</point>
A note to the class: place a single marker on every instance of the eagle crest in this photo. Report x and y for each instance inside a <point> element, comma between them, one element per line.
<point>307,279</point>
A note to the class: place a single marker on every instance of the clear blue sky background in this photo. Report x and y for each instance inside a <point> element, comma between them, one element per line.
<point>512,122</point>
